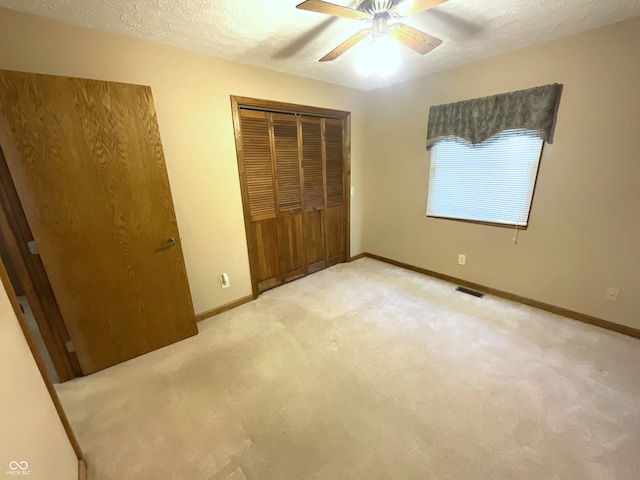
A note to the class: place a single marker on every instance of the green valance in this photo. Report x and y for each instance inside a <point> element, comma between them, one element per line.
<point>479,119</point>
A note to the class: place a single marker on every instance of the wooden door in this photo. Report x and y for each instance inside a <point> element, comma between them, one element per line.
<point>314,192</point>
<point>293,175</point>
<point>335,212</point>
<point>258,174</point>
<point>87,162</point>
<point>286,155</point>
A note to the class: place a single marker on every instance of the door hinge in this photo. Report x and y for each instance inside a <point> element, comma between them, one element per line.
<point>33,248</point>
<point>70,347</point>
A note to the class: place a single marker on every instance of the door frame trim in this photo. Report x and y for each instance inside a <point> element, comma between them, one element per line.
<point>32,276</point>
<point>271,106</point>
<point>4,278</point>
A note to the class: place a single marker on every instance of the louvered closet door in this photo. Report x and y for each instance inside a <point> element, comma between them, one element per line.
<point>292,170</point>
<point>289,196</point>
<point>314,202</point>
<point>259,178</point>
<point>334,223</point>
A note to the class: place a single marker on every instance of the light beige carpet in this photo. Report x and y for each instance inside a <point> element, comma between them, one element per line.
<point>366,371</point>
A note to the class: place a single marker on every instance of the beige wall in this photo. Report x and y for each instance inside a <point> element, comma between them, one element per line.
<point>192,97</point>
<point>31,428</point>
<point>583,234</point>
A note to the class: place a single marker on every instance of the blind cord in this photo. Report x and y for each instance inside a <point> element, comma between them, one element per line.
<point>515,235</point>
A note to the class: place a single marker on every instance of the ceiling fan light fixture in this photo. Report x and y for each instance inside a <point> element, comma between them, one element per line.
<point>378,13</point>
<point>379,56</point>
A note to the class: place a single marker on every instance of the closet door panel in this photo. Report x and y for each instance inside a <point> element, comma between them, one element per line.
<point>312,163</point>
<point>335,193</point>
<point>266,233</point>
<point>334,163</point>
<point>285,138</point>
<point>335,237</point>
<point>314,202</point>
<point>314,240</point>
<point>289,196</point>
<point>257,164</point>
<point>292,261</point>
<point>259,173</point>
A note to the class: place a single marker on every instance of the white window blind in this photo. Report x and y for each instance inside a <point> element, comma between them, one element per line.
<point>489,182</point>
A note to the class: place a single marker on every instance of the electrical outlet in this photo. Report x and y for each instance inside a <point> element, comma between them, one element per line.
<point>224,280</point>
<point>462,259</point>
<point>612,294</point>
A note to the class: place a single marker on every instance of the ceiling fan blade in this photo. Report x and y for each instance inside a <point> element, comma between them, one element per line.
<point>346,45</point>
<point>416,40</point>
<point>321,6</point>
<point>407,8</point>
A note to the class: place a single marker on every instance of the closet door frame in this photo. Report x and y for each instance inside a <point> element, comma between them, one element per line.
<point>238,103</point>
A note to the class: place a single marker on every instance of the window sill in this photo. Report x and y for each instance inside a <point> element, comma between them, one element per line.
<point>479,222</point>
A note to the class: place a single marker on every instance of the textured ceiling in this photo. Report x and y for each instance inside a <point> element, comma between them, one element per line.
<point>275,35</point>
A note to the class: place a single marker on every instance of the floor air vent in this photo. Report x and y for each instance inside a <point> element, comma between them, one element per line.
<point>468,291</point>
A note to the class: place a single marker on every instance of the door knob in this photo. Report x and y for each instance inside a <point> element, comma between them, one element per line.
<point>169,243</point>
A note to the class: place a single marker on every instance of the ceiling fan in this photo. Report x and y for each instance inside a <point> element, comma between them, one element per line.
<point>379,13</point>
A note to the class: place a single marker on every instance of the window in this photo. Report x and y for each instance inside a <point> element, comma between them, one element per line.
<point>489,182</point>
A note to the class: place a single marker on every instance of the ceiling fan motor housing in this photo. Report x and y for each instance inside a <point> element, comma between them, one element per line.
<point>381,12</point>
<point>380,25</point>
<point>377,7</point>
